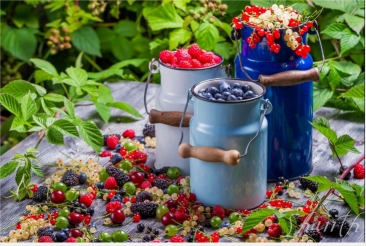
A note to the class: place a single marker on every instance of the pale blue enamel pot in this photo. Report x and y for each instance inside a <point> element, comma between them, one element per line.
<point>228,148</point>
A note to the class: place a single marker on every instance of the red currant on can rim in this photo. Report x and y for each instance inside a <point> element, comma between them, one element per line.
<point>252,45</point>
<point>276,34</point>
<point>256,38</point>
<point>305,28</point>
<point>249,39</point>
<point>269,36</point>
<point>238,25</point>
<point>306,48</point>
<point>309,24</point>
<point>248,9</point>
<point>245,17</point>
<point>255,8</point>
<point>236,20</point>
<point>261,32</point>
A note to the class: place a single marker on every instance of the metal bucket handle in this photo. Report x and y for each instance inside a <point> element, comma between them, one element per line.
<point>286,78</point>
<point>212,154</point>
<point>152,70</point>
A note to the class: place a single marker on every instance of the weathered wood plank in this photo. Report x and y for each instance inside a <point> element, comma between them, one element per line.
<point>132,93</point>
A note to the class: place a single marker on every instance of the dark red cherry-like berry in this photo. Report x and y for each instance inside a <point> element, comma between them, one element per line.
<point>75,218</point>
<point>117,217</point>
<point>168,219</point>
<point>57,197</point>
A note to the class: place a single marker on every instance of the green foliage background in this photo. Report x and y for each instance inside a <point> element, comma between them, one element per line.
<point>130,33</point>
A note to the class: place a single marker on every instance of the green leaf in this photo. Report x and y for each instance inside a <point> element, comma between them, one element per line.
<point>54,97</point>
<point>20,42</point>
<point>344,144</point>
<point>288,225</point>
<point>334,30</point>
<point>91,135</point>
<point>225,49</point>
<point>100,76</point>
<point>354,22</point>
<point>125,107</point>
<point>359,59</point>
<point>180,4</point>
<point>69,108</point>
<point>122,48</point>
<point>178,36</point>
<point>320,97</point>
<point>54,136</point>
<point>343,5</point>
<point>66,127</point>
<point>18,89</point>
<point>360,193</point>
<point>324,183</point>
<point>45,66</point>
<point>40,76</point>
<point>164,17</point>
<point>327,132</point>
<point>40,121</point>
<point>349,197</point>
<point>40,90</point>
<point>125,28</point>
<point>28,106</point>
<point>8,168</point>
<point>45,107</point>
<point>321,121</point>
<point>37,170</point>
<point>357,91</point>
<point>334,78</point>
<point>18,124</point>
<point>32,151</point>
<point>133,62</point>
<point>78,75</point>
<point>207,36</point>
<point>344,184</point>
<point>255,218</point>
<point>103,110</point>
<point>349,40</point>
<point>10,103</point>
<point>360,103</point>
<point>105,95</point>
<point>78,62</point>
<point>346,67</point>
<point>86,39</point>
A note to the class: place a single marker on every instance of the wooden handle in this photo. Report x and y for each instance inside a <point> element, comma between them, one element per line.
<point>292,77</point>
<point>171,118</point>
<point>209,154</point>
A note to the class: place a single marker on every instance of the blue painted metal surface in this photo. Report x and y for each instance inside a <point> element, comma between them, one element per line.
<point>289,131</point>
<point>229,126</point>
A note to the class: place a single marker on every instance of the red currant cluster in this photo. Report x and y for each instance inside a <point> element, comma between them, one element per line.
<point>281,203</point>
<point>252,11</point>
<point>276,190</point>
<point>310,205</point>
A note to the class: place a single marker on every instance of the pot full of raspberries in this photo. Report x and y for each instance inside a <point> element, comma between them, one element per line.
<point>229,117</point>
<point>179,71</point>
<point>273,41</point>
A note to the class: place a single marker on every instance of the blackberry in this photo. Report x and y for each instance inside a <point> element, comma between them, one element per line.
<point>46,231</point>
<point>161,170</point>
<point>146,209</point>
<point>70,178</point>
<point>298,219</point>
<point>41,194</point>
<point>140,227</point>
<point>336,228</point>
<point>348,176</point>
<point>315,235</point>
<point>308,184</point>
<point>115,172</point>
<point>149,131</point>
<point>160,183</point>
<point>144,195</point>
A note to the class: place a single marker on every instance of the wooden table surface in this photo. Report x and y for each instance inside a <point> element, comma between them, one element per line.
<point>132,93</point>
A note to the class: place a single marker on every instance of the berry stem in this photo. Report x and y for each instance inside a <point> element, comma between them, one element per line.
<point>344,174</point>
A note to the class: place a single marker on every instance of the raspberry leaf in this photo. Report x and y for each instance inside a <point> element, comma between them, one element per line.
<point>255,218</point>
<point>323,182</point>
<point>164,16</point>
<point>91,135</point>
<point>8,169</point>
<point>349,197</point>
<point>18,89</point>
<point>288,225</point>
<point>45,66</point>
<point>37,170</point>
<point>10,103</point>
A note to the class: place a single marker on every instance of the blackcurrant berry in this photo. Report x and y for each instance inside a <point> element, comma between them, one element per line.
<point>140,227</point>
<point>333,212</point>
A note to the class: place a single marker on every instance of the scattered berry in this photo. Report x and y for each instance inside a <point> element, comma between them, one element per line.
<point>129,133</point>
<point>218,211</point>
<point>86,199</point>
<point>45,239</point>
<point>112,141</point>
<point>110,183</point>
<point>275,230</point>
<point>359,171</point>
<point>70,178</point>
<point>177,239</point>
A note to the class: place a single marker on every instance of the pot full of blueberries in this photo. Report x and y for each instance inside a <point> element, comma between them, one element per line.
<point>228,142</point>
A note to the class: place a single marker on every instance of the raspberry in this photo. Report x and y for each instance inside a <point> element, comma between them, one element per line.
<point>217,59</point>
<point>177,239</point>
<point>110,183</point>
<point>196,63</point>
<point>210,64</point>
<point>112,141</point>
<point>359,171</point>
<point>194,50</point>
<point>205,57</point>
<point>112,206</point>
<point>166,56</point>
<point>45,239</point>
<point>175,62</point>
<point>105,154</point>
<point>275,230</point>
<point>86,199</point>
<point>129,133</point>
<point>146,184</point>
<point>182,55</point>
<point>218,211</point>
<point>185,64</point>
<point>71,240</point>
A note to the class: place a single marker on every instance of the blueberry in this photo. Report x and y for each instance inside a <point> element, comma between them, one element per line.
<point>225,224</point>
<point>239,98</point>
<point>116,158</point>
<point>221,100</point>
<point>218,95</point>
<point>141,139</point>
<point>237,92</point>
<point>348,176</point>
<point>236,86</point>
<point>225,95</point>
<point>202,91</point>
<point>117,198</point>
<point>207,95</point>
<point>100,185</point>
<point>341,170</point>
<point>66,230</point>
<point>212,90</point>
<point>90,211</point>
<point>118,147</point>
<point>245,87</point>
<point>77,210</point>
<point>200,94</point>
<point>213,99</point>
<point>249,94</point>
<point>232,98</point>
<point>76,204</point>
<point>82,178</point>
<point>122,192</point>
<point>333,212</point>
<point>224,87</point>
<point>148,229</point>
<point>61,236</point>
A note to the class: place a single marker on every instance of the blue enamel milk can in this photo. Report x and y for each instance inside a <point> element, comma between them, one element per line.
<point>228,146</point>
<point>289,130</point>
